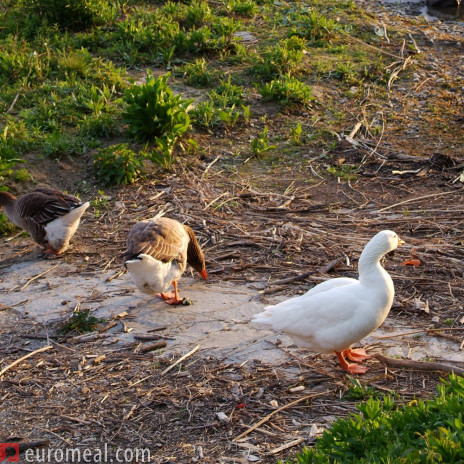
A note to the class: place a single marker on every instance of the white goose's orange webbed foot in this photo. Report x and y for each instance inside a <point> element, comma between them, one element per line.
<point>358,355</point>
<point>351,368</point>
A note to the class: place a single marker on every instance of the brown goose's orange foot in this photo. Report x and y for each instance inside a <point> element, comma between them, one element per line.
<point>358,355</point>
<point>351,368</point>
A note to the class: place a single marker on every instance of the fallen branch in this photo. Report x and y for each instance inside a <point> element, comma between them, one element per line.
<point>146,337</point>
<point>415,199</point>
<point>286,446</point>
<point>273,413</point>
<point>38,275</point>
<point>180,360</point>
<point>32,353</point>
<point>153,346</point>
<point>419,365</point>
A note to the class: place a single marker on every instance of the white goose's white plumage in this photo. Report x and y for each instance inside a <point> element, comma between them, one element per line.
<point>339,312</point>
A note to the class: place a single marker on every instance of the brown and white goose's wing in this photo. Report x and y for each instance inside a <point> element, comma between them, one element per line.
<point>50,216</point>
<point>44,205</point>
<point>163,239</point>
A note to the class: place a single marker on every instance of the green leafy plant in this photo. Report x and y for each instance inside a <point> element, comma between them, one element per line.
<point>260,144</point>
<point>296,133</point>
<point>80,322</point>
<point>198,73</point>
<point>197,14</point>
<point>154,111</point>
<point>246,8</point>
<point>284,58</point>
<point>75,15</point>
<point>205,114</point>
<point>430,431</point>
<point>288,90</point>
<point>118,164</point>
<point>313,25</point>
<point>343,171</point>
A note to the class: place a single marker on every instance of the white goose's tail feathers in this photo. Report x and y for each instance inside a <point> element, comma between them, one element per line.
<point>264,318</point>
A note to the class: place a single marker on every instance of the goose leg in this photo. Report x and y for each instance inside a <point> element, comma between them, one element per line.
<point>171,298</point>
<point>351,368</point>
<point>50,251</point>
<point>357,355</point>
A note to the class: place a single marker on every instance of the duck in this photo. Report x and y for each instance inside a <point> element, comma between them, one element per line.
<point>49,216</point>
<point>158,251</point>
<point>339,312</point>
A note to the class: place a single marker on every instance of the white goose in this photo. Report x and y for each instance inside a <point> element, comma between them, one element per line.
<point>339,312</point>
<point>158,251</point>
<point>49,216</point>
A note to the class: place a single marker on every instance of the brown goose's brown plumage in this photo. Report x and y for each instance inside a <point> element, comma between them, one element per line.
<point>49,216</point>
<point>166,241</point>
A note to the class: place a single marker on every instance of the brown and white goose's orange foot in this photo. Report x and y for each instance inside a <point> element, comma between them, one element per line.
<point>50,251</point>
<point>171,298</point>
<point>358,355</point>
<point>351,368</point>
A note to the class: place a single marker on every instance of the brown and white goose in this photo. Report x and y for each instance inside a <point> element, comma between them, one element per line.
<point>158,251</point>
<point>49,216</point>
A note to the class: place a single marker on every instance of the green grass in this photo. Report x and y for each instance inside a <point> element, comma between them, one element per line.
<point>64,71</point>
<point>430,431</point>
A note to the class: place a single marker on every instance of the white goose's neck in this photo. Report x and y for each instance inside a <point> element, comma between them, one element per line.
<point>369,266</point>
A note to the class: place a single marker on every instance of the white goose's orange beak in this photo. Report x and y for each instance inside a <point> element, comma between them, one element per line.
<point>401,242</point>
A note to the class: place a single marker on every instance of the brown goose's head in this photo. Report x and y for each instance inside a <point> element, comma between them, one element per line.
<point>194,254</point>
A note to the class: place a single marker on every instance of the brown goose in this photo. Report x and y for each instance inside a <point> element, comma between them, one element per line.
<point>49,216</point>
<point>158,251</point>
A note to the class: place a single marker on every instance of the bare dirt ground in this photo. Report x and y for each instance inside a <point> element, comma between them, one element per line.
<point>269,231</point>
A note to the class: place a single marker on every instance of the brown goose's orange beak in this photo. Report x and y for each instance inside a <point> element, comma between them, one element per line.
<point>204,274</point>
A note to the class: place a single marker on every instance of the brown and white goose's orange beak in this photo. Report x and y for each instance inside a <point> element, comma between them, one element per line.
<point>204,274</point>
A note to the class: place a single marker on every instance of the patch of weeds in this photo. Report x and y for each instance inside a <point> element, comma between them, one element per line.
<point>163,153</point>
<point>154,111</point>
<point>260,144</point>
<point>198,73</point>
<point>74,15</point>
<point>59,144</point>
<point>288,91</point>
<point>358,391</point>
<point>344,171</point>
<point>76,62</point>
<point>282,59</point>
<point>247,8</point>
<point>197,14</point>
<point>312,25</point>
<point>118,164</point>
<point>226,94</point>
<point>205,114</point>
<point>100,204</point>
<point>384,432</point>
<point>297,133</point>
<point>229,116</point>
<point>22,175</point>
<point>346,72</point>
<point>80,322</point>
